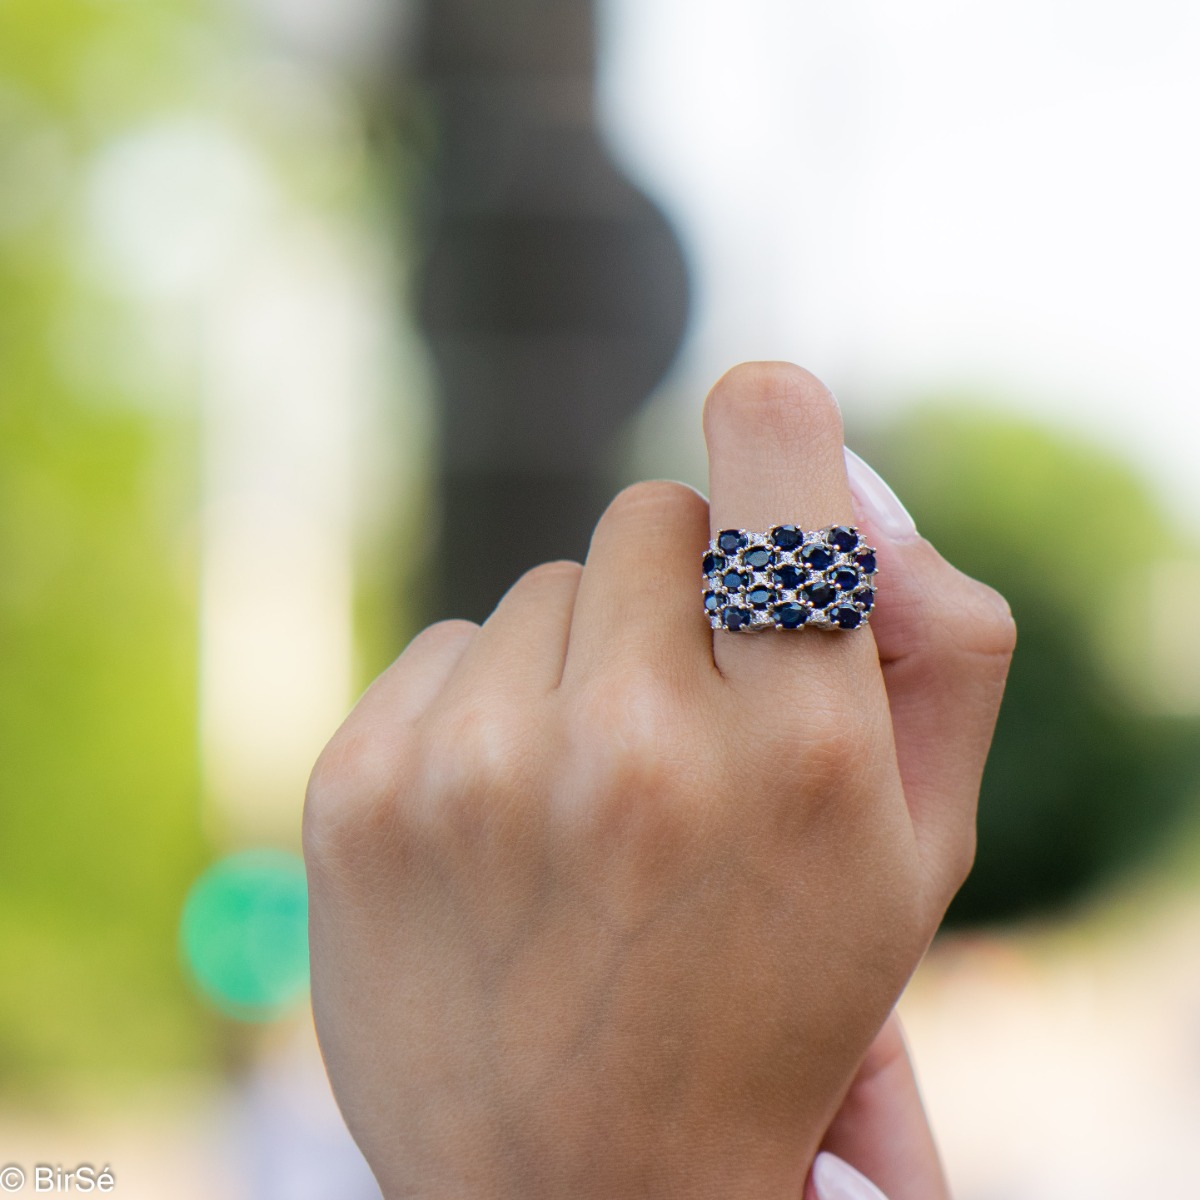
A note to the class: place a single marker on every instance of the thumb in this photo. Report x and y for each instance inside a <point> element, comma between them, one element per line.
<point>944,644</point>
<point>882,1129</point>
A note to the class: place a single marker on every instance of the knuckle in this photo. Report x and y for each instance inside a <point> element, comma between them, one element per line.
<point>622,715</point>
<point>785,398</point>
<point>831,753</point>
<point>440,784</point>
<point>351,792</point>
<point>981,622</point>
<point>829,739</point>
<point>449,630</point>
<point>997,628</point>
<point>550,576</point>
<point>443,634</point>
<point>627,741</point>
<point>836,743</point>
<point>652,498</point>
<point>826,772</point>
<point>441,642</point>
<point>477,750</point>
<point>350,768</point>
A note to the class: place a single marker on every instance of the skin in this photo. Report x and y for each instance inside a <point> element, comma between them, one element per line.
<point>606,905</point>
<point>881,1128</point>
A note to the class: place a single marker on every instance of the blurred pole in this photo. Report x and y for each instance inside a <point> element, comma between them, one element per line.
<point>553,294</point>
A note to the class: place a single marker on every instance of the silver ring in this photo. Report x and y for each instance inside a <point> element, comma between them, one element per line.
<point>789,579</point>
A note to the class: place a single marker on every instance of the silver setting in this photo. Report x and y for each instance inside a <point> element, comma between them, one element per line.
<point>765,577</point>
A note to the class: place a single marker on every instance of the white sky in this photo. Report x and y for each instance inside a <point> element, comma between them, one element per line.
<point>908,196</point>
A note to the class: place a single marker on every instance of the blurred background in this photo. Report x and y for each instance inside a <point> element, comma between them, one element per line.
<point>295,292</point>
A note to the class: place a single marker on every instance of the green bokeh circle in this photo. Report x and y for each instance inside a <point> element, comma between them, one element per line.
<point>244,933</point>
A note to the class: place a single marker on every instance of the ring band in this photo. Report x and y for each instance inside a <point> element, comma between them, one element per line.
<point>789,579</point>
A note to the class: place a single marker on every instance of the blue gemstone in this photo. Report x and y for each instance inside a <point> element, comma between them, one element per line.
<point>844,538</point>
<point>789,577</point>
<point>790,616</point>
<point>787,537</point>
<point>712,601</point>
<point>866,562</point>
<point>817,556</point>
<point>846,615</point>
<point>713,563</point>
<point>819,595</point>
<point>845,579</point>
<point>733,580</point>
<point>757,557</point>
<point>731,540</point>
<point>865,598</point>
<point>736,618</point>
<point>759,597</point>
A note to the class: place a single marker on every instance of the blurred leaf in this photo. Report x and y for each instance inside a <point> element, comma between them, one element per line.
<point>1082,783</point>
<point>99,820</point>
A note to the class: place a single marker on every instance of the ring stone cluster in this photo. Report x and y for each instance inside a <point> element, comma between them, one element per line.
<point>789,579</point>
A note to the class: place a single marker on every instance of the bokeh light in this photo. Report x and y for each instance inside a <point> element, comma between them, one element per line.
<point>244,933</point>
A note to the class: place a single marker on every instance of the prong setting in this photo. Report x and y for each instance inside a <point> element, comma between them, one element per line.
<point>789,578</point>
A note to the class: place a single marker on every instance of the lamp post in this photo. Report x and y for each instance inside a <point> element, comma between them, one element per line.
<point>553,293</point>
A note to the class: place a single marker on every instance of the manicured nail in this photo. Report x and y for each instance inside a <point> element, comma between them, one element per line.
<point>836,1179</point>
<point>878,501</point>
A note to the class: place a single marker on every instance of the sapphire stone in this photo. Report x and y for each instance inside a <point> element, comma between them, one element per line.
<point>790,616</point>
<point>733,580</point>
<point>817,556</point>
<point>866,562</point>
<point>846,615</point>
<point>787,537</point>
<point>819,595</point>
<point>713,563</point>
<point>844,538</point>
<point>736,618</point>
<point>864,598</point>
<point>712,601</point>
<point>731,540</point>
<point>789,577</point>
<point>845,579</point>
<point>757,557</point>
<point>759,597</point>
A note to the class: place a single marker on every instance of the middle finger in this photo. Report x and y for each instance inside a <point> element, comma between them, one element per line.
<point>774,437</point>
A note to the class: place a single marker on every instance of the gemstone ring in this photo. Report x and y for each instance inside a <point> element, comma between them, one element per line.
<point>788,579</point>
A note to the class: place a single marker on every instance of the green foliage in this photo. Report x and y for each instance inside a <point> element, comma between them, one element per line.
<point>1083,782</point>
<point>99,821</point>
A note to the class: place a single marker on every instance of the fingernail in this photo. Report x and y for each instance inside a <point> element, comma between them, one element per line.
<point>836,1179</point>
<point>878,501</point>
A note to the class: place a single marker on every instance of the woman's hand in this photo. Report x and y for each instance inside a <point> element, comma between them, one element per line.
<point>604,904</point>
<point>880,1146</point>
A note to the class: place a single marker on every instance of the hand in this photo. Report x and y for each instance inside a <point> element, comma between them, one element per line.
<point>880,1146</point>
<point>605,905</point>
